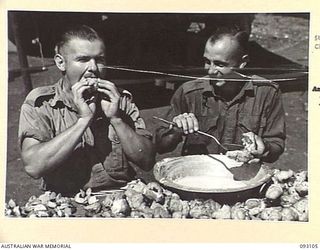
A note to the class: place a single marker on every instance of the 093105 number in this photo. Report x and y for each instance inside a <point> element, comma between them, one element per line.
<point>308,246</point>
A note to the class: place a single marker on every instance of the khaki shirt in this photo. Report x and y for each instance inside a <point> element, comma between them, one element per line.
<point>257,108</point>
<point>98,160</point>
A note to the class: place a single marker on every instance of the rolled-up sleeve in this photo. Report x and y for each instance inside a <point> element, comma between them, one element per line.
<point>133,112</point>
<point>275,133</point>
<point>32,125</point>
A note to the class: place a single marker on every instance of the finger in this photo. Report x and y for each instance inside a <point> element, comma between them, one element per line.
<point>254,160</point>
<point>80,90</point>
<point>78,85</point>
<point>103,84</point>
<point>92,106</point>
<point>108,95</point>
<point>108,85</point>
<point>91,100</point>
<point>177,120</point>
<point>190,124</point>
<point>260,145</point>
<point>195,122</point>
<point>184,121</point>
<point>254,142</point>
<point>124,103</point>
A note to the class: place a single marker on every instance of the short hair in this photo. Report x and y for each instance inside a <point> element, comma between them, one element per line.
<point>79,31</point>
<point>241,36</point>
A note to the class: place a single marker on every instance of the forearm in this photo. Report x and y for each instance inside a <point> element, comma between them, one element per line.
<point>275,133</point>
<point>138,149</point>
<point>41,158</point>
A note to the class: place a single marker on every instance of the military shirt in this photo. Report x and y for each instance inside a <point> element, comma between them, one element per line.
<point>257,108</point>
<point>98,161</point>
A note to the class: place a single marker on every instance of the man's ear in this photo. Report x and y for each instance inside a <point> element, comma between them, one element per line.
<point>245,60</point>
<point>60,62</point>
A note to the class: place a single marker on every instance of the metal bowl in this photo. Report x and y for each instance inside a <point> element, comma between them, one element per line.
<point>208,175</point>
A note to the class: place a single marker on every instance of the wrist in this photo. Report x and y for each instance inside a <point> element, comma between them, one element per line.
<point>84,121</point>
<point>173,132</point>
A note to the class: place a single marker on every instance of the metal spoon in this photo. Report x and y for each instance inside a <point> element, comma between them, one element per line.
<point>199,132</point>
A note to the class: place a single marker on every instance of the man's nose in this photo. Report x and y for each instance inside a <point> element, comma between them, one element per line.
<point>212,70</point>
<point>92,65</point>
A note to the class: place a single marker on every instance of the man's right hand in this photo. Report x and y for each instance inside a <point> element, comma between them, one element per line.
<point>86,107</point>
<point>188,122</point>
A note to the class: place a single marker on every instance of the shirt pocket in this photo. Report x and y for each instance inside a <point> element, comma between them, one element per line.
<point>253,123</point>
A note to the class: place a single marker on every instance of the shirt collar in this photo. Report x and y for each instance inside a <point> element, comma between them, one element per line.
<point>208,89</point>
<point>63,95</point>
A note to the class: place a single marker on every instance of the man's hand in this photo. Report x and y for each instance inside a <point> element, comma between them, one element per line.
<point>110,98</point>
<point>188,122</point>
<point>256,147</point>
<point>86,107</point>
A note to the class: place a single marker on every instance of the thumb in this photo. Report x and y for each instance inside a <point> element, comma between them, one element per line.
<point>92,103</point>
<point>255,160</point>
<point>259,146</point>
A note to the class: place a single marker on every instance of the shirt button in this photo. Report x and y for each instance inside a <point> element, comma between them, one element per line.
<point>116,139</point>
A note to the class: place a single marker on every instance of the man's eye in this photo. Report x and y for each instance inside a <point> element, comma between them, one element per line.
<point>220,64</point>
<point>83,59</point>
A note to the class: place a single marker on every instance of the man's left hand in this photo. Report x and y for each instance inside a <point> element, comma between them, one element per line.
<point>256,148</point>
<point>110,98</point>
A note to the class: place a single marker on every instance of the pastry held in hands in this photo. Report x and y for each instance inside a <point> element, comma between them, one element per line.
<point>247,142</point>
<point>243,155</point>
<point>240,155</point>
<point>93,83</point>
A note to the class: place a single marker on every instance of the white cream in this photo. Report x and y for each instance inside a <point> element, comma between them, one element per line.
<point>209,182</point>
